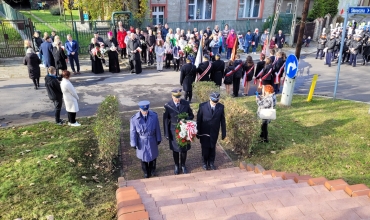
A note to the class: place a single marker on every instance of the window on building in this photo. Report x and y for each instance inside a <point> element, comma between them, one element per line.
<point>289,8</point>
<point>200,9</point>
<point>158,14</point>
<point>249,8</point>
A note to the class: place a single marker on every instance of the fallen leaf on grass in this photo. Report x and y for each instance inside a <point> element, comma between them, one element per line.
<point>79,164</point>
<point>24,132</point>
<point>18,161</point>
<point>83,177</point>
<point>348,166</point>
<point>273,152</point>
<point>95,178</point>
<point>32,184</point>
<point>71,160</point>
<point>44,202</point>
<point>27,151</point>
<point>51,156</point>
<point>99,186</point>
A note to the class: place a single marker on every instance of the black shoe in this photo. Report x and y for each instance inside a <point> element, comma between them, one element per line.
<point>316,58</point>
<point>363,64</point>
<point>35,87</point>
<point>204,167</point>
<point>184,170</point>
<point>146,175</point>
<point>152,173</point>
<point>212,166</point>
<point>176,171</point>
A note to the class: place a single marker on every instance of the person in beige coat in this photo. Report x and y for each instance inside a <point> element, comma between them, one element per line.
<point>70,99</point>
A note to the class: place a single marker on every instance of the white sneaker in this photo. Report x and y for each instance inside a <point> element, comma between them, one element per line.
<point>76,124</point>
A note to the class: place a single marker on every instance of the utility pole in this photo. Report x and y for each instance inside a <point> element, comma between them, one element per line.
<point>298,48</point>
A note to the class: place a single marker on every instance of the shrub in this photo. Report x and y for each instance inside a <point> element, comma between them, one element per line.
<point>54,10</point>
<point>242,126</point>
<point>201,90</point>
<point>107,129</point>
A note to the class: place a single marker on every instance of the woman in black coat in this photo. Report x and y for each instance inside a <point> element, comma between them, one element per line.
<point>32,61</point>
<point>37,41</point>
<point>228,79</point>
<point>59,57</point>
<point>187,77</point>
<point>266,77</point>
<point>248,71</point>
<point>218,69</point>
<point>97,59</point>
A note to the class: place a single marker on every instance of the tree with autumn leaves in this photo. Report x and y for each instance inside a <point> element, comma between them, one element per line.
<point>103,9</point>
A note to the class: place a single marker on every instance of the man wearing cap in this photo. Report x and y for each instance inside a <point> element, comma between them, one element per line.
<point>329,51</point>
<point>187,77</point>
<point>145,136</point>
<point>133,48</point>
<point>218,69</point>
<point>204,69</point>
<point>170,119</point>
<point>210,116</point>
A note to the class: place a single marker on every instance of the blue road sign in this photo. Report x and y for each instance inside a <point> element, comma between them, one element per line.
<point>291,66</point>
<point>359,10</point>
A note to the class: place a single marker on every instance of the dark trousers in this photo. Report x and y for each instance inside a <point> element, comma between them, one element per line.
<point>36,82</point>
<point>328,58</point>
<point>188,95</point>
<point>72,117</point>
<point>135,66</point>
<point>72,60</point>
<point>176,64</point>
<point>151,57</point>
<point>345,57</point>
<point>123,52</point>
<point>352,59</point>
<point>364,58</point>
<point>177,159</point>
<point>236,86</point>
<point>319,53</point>
<point>276,88</point>
<point>168,60</point>
<point>208,155</point>
<point>143,54</point>
<point>58,107</point>
<point>264,133</point>
<point>335,53</point>
<point>149,167</point>
<point>228,54</point>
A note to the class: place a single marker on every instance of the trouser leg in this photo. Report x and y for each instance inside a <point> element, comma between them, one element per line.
<point>176,157</point>
<point>264,129</point>
<point>205,155</point>
<point>153,166</point>
<point>183,158</point>
<point>71,62</point>
<point>212,155</point>
<point>72,117</point>
<point>145,168</point>
<point>190,95</point>
<point>38,81</point>
<point>354,60</point>
<point>34,82</point>
<point>77,62</point>
<point>69,117</point>
<point>58,107</point>
<point>236,85</point>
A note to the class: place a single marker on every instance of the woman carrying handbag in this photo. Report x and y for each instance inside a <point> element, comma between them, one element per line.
<point>266,110</point>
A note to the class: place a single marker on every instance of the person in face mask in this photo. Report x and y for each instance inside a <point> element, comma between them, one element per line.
<point>145,136</point>
<point>211,115</point>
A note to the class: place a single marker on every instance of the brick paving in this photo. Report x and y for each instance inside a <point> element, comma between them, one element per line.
<point>238,194</point>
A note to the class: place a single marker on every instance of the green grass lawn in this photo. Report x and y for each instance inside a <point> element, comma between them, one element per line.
<point>34,186</point>
<point>319,138</point>
<point>47,17</point>
<point>55,21</point>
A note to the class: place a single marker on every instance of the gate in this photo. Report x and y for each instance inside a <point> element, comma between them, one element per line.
<point>12,36</point>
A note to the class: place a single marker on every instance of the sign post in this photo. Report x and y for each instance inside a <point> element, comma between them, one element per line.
<point>349,10</point>
<point>291,68</point>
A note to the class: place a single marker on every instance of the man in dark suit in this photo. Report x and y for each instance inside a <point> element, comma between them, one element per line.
<point>72,47</point>
<point>218,69</point>
<point>204,69</point>
<point>256,37</point>
<point>187,77</point>
<point>280,40</point>
<point>170,119</point>
<point>209,118</point>
<point>98,38</point>
<point>133,48</point>
<point>46,50</point>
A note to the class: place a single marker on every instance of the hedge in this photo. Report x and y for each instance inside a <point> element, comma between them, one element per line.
<point>107,129</point>
<point>242,126</point>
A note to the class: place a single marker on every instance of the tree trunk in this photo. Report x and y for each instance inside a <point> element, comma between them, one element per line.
<point>301,28</point>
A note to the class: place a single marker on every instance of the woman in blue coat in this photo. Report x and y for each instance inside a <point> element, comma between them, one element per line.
<point>145,136</point>
<point>248,42</point>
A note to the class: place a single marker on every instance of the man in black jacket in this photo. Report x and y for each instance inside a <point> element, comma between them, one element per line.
<point>321,46</point>
<point>150,42</point>
<point>170,119</point>
<point>218,69</point>
<point>210,117</point>
<point>54,92</point>
<point>187,77</point>
<point>280,40</point>
<point>238,74</point>
<point>330,48</point>
<point>354,48</point>
<point>204,69</point>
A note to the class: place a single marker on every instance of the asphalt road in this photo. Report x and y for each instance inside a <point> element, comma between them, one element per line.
<point>21,104</point>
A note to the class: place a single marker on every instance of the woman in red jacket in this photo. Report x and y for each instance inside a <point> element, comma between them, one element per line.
<point>121,35</point>
<point>230,41</point>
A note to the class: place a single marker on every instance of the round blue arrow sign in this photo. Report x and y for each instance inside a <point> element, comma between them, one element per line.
<point>291,66</point>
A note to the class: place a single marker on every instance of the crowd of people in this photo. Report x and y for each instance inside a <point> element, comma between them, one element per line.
<point>356,42</point>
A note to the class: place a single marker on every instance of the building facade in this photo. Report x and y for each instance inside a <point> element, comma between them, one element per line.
<point>210,10</point>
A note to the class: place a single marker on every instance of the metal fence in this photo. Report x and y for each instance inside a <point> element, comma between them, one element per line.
<point>10,13</point>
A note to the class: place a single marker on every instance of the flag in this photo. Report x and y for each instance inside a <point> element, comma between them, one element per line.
<point>235,49</point>
<point>199,57</point>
